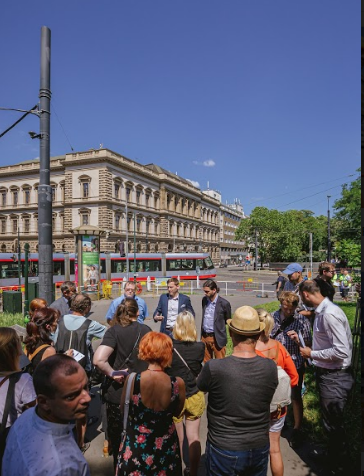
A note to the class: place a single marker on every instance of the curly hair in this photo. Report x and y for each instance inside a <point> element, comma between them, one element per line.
<point>156,348</point>
<point>185,327</point>
<point>80,303</point>
<point>126,313</point>
<point>38,329</point>
<point>10,350</point>
<point>290,298</point>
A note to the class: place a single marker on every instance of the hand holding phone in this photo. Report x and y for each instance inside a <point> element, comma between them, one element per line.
<point>158,317</point>
<point>119,375</point>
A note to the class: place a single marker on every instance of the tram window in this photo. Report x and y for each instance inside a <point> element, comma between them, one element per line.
<point>118,266</point>
<point>9,270</point>
<point>103,266</point>
<point>180,264</point>
<point>72,267</point>
<point>208,263</point>
<point>151,265</point>
<point>58,268</point>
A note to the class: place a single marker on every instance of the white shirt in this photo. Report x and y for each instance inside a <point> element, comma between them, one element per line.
<point>172,311</point>
<point>332,341</point>
<point>36,447</point>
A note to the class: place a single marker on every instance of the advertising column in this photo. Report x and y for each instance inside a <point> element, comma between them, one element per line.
<point>90,263</point>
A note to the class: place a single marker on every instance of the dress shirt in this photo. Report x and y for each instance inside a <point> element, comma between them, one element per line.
<point>143,310</point>
<point>208,318</point>
<point>172,311</point>
<point>332,341</point>
<point>36,447</point>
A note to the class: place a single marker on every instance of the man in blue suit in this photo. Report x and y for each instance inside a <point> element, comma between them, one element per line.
<point>170,305</point>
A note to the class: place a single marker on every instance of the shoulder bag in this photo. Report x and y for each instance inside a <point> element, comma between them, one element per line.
<point>126,409</point>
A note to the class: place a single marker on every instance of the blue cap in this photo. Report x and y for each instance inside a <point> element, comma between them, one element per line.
<point>293,268</point>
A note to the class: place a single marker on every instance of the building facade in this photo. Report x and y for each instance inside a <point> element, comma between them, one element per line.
<point>231,251</point>
<point>102,188</point>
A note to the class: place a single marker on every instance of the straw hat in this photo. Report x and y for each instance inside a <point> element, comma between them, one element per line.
<point>245,321</point>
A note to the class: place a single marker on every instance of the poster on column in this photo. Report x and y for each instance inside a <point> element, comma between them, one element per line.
<point>90,262</point>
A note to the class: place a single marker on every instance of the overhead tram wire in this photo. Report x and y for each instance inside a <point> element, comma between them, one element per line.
<point>299,189</point>
<point>64,132</point>
<point>19,120</point>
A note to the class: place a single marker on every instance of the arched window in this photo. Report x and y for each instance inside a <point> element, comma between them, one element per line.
<point>3,195</point>
<point>3,225</point>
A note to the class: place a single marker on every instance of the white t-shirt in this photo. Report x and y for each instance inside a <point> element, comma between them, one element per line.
<point>24,393</point>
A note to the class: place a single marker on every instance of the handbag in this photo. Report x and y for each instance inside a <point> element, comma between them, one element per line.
<point>126,409</point>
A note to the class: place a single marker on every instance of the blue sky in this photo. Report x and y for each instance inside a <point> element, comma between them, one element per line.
<point>259,98</point>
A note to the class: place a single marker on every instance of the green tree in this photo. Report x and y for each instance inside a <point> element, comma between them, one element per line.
<point>282,236</point>
<point>350,251</point>
<point>347,217</point>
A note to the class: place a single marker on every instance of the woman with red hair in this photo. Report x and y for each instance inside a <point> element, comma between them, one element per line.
<point>151,445</point>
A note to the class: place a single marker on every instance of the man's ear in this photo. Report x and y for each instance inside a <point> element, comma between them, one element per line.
<point>44,402</point>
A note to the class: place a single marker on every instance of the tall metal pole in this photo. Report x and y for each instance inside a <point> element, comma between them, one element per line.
<point>19,259</point>
<point>127,241</point>
<point>44,189</point>
<point>311,263</point>
<point>328,230</point>
<point>134,251</point>
<point>256,251</point>
<point>26,283</point>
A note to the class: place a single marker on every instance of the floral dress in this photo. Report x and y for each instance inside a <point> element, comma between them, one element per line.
<point>151,447</point>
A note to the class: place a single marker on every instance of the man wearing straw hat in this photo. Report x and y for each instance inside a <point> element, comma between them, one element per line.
<point>240,388</point>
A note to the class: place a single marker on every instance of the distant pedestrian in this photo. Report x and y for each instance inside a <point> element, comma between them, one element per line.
<point>215,312</point>
<point>240,389</point>
<point>279,284</point>
<point>170,305</point>
<point>331,354</point>
<point>345,281</point>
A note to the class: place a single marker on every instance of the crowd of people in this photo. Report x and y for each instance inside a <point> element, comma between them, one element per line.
<point>153,384</point>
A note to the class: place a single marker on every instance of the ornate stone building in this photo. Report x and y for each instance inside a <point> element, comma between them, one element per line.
<point>231,251</point>
<point>102,188</point>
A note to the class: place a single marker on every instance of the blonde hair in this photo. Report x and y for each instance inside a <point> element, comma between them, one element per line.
<point>266,317</point>
<point>10,350</point>
<point>185,327</point>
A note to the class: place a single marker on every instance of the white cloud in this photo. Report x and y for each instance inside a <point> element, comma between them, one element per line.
<point>208,163</point>
<point>205,163</point>
<point>194,183</point>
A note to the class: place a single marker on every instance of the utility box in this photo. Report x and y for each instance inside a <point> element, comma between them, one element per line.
<point>12,302</point>
<point>33,290</point>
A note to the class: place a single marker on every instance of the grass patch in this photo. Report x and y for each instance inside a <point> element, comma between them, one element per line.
<point>7,319</point>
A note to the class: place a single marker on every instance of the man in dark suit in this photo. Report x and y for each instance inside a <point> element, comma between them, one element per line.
<point>170,305</point>
<point>215,312</point>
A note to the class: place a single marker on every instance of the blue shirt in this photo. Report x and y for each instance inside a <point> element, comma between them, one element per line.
<point>143,310</point>
<point>208,319</point>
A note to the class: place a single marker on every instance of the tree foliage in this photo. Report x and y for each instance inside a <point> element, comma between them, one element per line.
<point>350,251</point>
<point>347,217</point>
<point>283,236</point>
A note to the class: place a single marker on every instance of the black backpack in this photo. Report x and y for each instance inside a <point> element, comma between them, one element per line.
<point>76,340</point>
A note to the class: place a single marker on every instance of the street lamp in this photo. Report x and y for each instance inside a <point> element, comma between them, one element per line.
<point>328,230</point>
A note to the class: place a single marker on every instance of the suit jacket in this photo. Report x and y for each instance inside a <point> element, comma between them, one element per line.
<point>222,314</point>
<point>184,304</point>
<point>61,305</point>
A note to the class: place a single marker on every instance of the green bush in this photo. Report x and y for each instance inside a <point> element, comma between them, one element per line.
<point>7,319</point>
